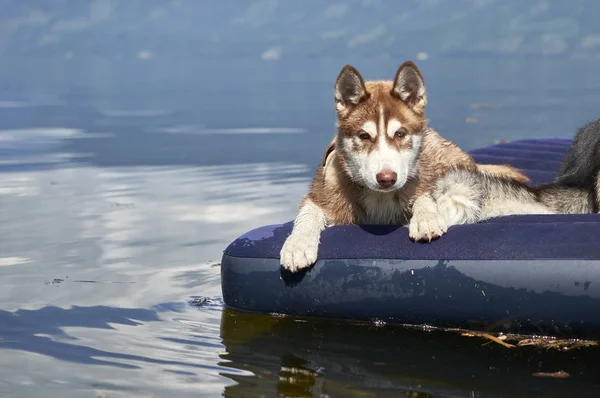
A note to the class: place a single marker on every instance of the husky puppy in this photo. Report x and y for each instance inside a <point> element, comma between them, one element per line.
<point>383,156</point>
<point>464,196</point>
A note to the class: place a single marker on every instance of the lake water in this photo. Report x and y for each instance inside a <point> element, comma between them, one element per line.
<point>121,183</point>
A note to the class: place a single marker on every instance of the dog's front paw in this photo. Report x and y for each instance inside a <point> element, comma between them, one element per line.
<point>426,226</point>
<point>299,251</point>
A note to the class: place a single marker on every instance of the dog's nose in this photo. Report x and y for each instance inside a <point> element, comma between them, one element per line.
<point>386,178</point>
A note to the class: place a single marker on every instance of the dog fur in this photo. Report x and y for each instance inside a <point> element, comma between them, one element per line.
<point>465,196</point>
<point>383,156</point>
<point>581,165</point>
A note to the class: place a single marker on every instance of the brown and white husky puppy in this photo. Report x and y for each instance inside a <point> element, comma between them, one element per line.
<point>383,157</point>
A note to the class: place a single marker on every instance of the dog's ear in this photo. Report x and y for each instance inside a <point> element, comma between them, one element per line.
<point>349,90</point>
<point>409,86</point>
<point>328,151</point>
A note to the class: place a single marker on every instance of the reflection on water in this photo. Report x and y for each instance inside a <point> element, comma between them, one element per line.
<point>115,209</point>
<point>64,352</point>
<point>98,266</point>
<point>312,358</point>
<point>89,218</point>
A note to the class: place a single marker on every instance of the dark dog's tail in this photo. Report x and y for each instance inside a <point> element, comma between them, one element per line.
<point>596,193</point>
<point>581,165</point>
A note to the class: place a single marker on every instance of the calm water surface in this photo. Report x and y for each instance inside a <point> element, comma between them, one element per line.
<point>117,199</point>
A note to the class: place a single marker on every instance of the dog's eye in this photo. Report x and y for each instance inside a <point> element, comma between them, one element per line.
<point>401,133</point>
<point>365,136</point>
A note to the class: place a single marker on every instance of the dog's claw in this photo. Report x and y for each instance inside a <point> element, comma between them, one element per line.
<point>425,227</point>
<point>426,237</point>
<point>299,251</point>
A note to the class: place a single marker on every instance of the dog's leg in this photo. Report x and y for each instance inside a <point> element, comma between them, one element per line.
<point>455,199</point>
<point>300,248</point>
<point>459,197</point>
<point>427,222</point>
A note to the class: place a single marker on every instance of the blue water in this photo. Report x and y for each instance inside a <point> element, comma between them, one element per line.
<point>132,154</point>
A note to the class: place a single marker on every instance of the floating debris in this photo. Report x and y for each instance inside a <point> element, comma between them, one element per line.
<point>55,281</point>
<point>508,340</point>
<point>561,374</point>
<point>553,343</point>
<point>379,323</point>
<point>278,315</point>
<point>428,328</point>
<point>536,341</point>
<point>200,301</point>
<point>489,337</point>
<point>471,120</point>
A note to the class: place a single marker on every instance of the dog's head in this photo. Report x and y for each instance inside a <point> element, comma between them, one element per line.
<point>379,127</point>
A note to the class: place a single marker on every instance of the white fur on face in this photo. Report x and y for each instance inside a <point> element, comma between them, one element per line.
<point>392,127</point>
<point>364,167</point>
<point>370,128</point>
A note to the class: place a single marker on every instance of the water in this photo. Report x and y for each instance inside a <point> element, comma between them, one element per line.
<point>115,208</point>
<point>122,180</point>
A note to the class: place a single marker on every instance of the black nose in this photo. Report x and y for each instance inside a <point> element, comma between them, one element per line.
<point>386,178</point>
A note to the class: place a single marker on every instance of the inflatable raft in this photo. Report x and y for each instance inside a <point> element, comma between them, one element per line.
<point>521,274</point>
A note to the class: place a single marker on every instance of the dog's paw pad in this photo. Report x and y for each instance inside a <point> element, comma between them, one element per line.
<point>299,251</point>
<point>426,227</point>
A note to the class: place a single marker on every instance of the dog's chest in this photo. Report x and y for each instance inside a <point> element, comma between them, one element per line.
<point>385,208</point>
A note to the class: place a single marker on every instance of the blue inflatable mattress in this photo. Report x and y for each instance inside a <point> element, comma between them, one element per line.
<point>521,274</point>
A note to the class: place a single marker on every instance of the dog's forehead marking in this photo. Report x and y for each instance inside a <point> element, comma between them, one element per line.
<point>381,127</point>
<point>385,149</point>
<point>388,118</point>
<point>381,115</point>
